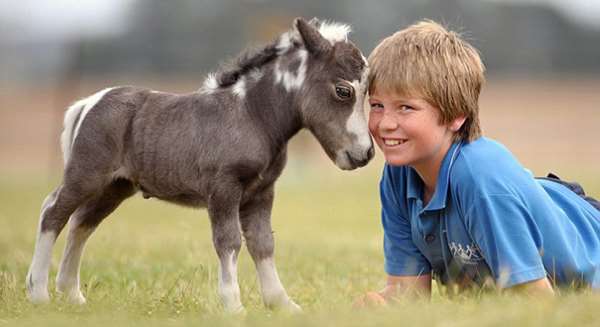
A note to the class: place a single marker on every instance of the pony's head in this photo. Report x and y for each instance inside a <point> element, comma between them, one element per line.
<point>330,75</point>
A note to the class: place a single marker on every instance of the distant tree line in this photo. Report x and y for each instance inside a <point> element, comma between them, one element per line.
<point>189,37</point>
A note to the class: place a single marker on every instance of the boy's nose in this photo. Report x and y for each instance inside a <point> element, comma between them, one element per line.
<point>388,122</point>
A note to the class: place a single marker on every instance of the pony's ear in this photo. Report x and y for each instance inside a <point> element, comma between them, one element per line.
<point>315,22</point>
<point>313,40</point>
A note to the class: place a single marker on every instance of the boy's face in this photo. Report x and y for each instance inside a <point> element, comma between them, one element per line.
<point>407,130</point>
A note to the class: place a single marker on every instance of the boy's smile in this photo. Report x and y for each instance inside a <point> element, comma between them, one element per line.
<point>390,142</point>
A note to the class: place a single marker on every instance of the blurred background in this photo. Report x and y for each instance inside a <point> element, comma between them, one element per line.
<point>542,97</point>
<point>542,100</point>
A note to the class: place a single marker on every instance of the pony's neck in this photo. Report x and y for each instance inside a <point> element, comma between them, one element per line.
<point>275,108</point>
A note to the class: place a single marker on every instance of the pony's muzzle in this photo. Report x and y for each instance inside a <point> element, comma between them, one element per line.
<point>361,159</point>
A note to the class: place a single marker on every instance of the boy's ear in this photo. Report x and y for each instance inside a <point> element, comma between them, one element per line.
<point>457,123</point>
<point>313,40</point>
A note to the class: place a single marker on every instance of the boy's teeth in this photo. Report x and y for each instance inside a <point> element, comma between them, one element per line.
<point>393,142</point>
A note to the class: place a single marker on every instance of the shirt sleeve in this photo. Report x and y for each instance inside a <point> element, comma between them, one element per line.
<point>402,257</point>
<point>508,238</point>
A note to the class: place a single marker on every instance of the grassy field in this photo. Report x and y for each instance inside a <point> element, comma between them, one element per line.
<point>153,263</point>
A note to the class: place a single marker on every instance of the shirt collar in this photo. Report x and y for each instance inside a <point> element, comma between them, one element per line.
<point>415,184</point>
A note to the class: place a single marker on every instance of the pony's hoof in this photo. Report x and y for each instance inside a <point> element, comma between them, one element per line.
<point>77,298</point>
<point>38,296</point>
<point>288,306</point>
<point>72,296</point>
<point>292,307</point>
<point>237,311</point>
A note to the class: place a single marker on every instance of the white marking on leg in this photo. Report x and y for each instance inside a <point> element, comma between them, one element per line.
<point>67,279</point>
<point>37,277</point>
<point>229,289</point>
<point>273,293</point>
<point>292,80</point>
<point>210,84</point>
<point>239,88</point>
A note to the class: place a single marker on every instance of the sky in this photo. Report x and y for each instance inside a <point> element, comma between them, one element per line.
<point>48,19</point>
<point>586,12</point>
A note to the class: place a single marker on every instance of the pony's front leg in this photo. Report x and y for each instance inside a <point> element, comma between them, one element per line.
<point>224,216</point>
<point>255,217</point>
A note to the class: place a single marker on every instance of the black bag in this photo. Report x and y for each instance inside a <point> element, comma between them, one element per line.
<point>575,187</point>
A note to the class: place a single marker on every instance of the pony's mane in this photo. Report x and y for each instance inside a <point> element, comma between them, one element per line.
<point>254,58</point>
<point>248,60</point>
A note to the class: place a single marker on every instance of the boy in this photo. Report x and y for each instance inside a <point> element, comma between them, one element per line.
<point>455,205</point>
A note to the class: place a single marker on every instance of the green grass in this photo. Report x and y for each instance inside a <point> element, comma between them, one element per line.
<point>153,263</point>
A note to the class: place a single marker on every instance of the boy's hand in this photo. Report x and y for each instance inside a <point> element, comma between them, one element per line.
<point>369,300</point>
<point>397,286</point>
<point>536,287</point>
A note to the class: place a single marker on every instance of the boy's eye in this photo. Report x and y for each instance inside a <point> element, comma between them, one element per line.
<point>376,106</point>
<point>406,108</point>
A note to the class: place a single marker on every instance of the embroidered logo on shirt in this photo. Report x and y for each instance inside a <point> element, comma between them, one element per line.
<point>467,254</point>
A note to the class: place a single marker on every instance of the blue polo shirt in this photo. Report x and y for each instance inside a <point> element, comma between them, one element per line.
<point>488,217</point>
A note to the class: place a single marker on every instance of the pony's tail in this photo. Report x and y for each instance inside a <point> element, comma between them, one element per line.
<point>73,118</point>
<point>72,115</point>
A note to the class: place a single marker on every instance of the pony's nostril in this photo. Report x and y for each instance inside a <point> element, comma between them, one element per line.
<point>358,162</point>
<point>350,159</point>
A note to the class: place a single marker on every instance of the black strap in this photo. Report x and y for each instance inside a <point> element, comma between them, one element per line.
<point>575,187</point>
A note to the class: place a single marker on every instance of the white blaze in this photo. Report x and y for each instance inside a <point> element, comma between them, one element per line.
<point>357,123</point>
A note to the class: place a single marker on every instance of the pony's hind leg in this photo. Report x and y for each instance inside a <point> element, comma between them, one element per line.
<point>37,280</point>
<point>56,210</point>
<point>81,225</point>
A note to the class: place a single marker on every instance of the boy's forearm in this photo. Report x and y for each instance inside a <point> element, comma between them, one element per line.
<point>402,286</point>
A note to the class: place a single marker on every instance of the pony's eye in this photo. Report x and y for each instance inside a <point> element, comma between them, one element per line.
<point>343,92</point>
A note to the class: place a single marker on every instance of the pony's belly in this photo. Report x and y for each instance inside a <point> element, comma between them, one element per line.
<point>175,195</point>
<point>188,200</point>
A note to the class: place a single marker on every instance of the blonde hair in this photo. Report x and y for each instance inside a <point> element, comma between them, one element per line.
<point>428,61</point>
